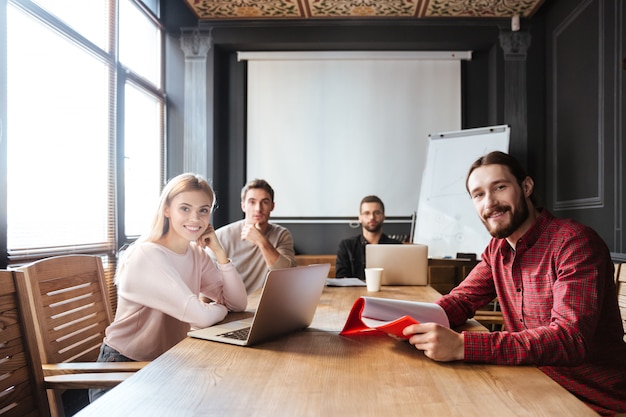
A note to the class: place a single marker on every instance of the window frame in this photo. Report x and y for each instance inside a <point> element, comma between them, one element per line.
<point>117,237</point>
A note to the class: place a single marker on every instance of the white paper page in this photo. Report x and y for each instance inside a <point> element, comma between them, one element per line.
<point>386,310</point>
<point>344,282</point>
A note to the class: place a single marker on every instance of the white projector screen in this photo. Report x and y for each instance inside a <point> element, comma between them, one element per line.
<point>327,132</point>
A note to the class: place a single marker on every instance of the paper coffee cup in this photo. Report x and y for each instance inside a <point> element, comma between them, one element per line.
<point>373,278</point>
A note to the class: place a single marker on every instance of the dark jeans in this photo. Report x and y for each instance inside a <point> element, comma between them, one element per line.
<point>107,354</point>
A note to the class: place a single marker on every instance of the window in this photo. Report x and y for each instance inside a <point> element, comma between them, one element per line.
<point>140,56</point>
<point>140,43</point>
<point>89,18</point>
<point>142,157</point>
<point>57,141</point>
<point>84,130</point>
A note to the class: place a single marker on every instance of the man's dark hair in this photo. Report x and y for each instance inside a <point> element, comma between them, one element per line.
<point>257,183</point>
<point>501,158</point>
<point>372,199</point>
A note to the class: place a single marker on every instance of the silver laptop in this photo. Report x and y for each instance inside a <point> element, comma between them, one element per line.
<point>405,264</point>
<point>287,303</point>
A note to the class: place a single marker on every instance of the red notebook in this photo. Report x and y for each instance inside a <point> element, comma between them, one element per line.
<point>391,316</point>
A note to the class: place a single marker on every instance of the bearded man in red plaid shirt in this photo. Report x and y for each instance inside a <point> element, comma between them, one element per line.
<point>555,285</point>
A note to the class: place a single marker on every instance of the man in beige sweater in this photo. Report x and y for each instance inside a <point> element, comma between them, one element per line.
<point>254,244</point>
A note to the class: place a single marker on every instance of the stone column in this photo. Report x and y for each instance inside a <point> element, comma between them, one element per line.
<point>515,44</point>
<point>195,45</point>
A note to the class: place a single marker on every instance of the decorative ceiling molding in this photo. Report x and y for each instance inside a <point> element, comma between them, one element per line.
<point>323,9</point>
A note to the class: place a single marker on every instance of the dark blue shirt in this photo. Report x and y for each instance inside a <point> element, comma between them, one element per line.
<point>351,256</point>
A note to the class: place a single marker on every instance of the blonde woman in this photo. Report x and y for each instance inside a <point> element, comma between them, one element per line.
<point>163,274</point>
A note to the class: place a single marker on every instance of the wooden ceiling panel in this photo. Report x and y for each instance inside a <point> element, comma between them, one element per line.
<point>328,9</point>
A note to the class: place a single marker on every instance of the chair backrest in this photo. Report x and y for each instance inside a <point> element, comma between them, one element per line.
<point>621,295</point>
<point>22,391</point>
<point>68,296</point>
<point>303,260</point>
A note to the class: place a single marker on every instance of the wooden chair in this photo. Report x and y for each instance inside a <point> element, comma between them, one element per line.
<point>303,260</point>
<point>67,297</point>
<point>22,391</point>
<point>490,316</point>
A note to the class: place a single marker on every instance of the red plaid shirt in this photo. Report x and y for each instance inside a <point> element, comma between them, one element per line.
<point>559,304</point>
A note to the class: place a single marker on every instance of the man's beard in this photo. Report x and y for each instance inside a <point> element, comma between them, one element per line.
<point>374,229</point>
<point>519,217</point>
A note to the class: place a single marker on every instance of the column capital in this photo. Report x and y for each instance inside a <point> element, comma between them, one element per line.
<point>515,44</point>
<point>195,43</point>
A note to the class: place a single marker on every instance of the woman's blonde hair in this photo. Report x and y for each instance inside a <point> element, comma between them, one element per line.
<point>161,224</point>
<point>179,184</point>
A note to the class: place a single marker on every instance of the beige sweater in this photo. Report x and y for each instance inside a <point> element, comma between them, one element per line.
<point>248,258</point>
<point>158,298</point>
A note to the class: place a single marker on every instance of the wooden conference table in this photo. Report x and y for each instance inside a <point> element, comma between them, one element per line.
<point>316,372</point>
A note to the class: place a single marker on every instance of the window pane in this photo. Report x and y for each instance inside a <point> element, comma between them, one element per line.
<point>140,43</point>
<point>89,18</point>
<point>57,139</point>
<point>142,158</point>
<point>153,5</point>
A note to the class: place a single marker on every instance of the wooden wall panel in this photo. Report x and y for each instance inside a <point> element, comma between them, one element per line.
<point>583,164</point>
<point>578,163</point>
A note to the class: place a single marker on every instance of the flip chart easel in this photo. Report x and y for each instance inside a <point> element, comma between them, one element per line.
<point>446,219</point>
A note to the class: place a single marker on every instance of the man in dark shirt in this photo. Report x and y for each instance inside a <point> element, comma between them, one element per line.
<point>351,252</point>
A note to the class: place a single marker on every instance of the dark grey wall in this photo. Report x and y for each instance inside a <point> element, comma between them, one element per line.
<point>585,115</point>
<point>324,238</point>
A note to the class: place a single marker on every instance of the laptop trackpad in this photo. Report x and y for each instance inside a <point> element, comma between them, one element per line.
<point>234,325</point>
<point>221,328</point>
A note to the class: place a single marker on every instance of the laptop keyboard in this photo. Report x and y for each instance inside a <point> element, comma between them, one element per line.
<point>241,334</point>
